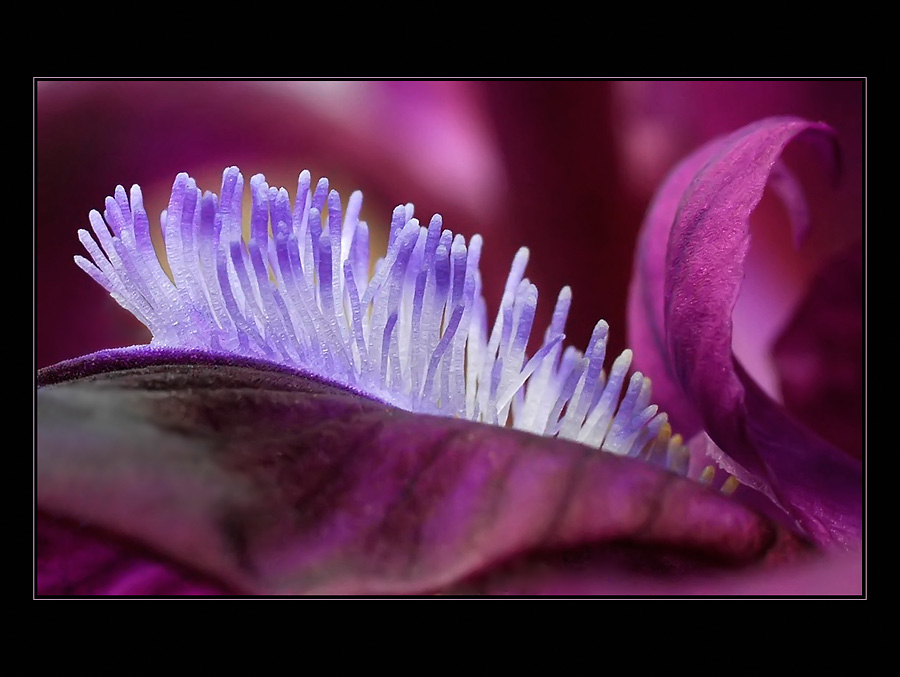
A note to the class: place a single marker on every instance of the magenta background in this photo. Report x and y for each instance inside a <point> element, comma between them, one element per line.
<point>564,167</point>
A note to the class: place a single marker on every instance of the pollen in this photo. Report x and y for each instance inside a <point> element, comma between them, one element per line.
<point>413,331</point>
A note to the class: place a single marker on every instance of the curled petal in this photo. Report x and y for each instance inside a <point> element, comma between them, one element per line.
<point>646,311</point>
<point>268,481</point>
<point>817,483</point>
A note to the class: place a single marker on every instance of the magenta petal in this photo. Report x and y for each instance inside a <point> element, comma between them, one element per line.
<point>817,483</point>
<point>72,559</point>
<point>646,308</point>
<point>274,483</point>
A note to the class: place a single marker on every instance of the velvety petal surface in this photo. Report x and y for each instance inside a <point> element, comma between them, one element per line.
<point>818,484</point>
<point>267,481</point>
<point>646,306</point>
<point>73,559</point>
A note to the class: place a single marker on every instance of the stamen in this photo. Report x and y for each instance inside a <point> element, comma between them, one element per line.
<point>707,475</point>
<point>414,333</point>
<point>730,485</point>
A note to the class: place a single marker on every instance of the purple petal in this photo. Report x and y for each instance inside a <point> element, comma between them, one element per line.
<point>839,575</point>
<point>271,482</point>
<point>646,312</point>
<point>72,559</point>
<point>817,483</point>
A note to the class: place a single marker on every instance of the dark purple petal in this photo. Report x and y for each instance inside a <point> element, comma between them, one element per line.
<point>817,483</point>
<point>819,355</point>
<point>271,482</point>
<point>838,575</point>
<point>73,559</point>
<point>646,314</point>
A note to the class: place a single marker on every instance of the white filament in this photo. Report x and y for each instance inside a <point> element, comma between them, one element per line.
<point>414,333</point>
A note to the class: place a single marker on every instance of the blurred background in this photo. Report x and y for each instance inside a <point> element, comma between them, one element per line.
<point>566,168</point>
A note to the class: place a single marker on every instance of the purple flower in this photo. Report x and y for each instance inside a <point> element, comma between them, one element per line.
<point>264,441</point>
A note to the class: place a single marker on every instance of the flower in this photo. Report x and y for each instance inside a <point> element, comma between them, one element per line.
<point>245,531</point>
<point>414,334</point>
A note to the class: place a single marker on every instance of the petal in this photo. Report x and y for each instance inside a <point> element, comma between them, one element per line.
<point>271,482</point>
<point>840,575</point>
<point>708,243</point>
<point>72,559</point>
<point>646,309</point>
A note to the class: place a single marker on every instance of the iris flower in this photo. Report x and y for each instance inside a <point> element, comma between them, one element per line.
<point>303,425</point>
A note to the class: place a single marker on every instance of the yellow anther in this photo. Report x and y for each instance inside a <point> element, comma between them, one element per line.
<point>706,477</point>
<point>730,485</point>
<point>665,432</point>
<point>678,458</point>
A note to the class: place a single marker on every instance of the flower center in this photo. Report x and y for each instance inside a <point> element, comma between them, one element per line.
<point>414,333</point>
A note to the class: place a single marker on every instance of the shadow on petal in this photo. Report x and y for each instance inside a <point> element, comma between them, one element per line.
<point>275,483</point>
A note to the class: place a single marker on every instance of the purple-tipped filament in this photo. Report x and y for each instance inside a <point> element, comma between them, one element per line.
<point>413,332</point>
